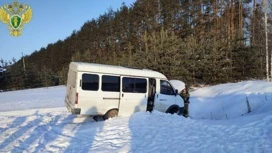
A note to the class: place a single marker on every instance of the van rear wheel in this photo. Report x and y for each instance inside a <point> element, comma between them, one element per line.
<point>110,114</point>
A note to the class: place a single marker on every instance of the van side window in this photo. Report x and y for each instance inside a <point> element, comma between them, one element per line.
<point>134,85</point>
<point>166,88</point>
<point>110,83</point>
<point>90,82</point>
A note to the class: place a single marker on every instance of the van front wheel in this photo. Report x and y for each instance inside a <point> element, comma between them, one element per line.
<point>110,114</point>
<point>174,109</point>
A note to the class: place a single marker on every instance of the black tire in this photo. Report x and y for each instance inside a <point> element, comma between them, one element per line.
<point>174,109</point>
<point>110,114</point>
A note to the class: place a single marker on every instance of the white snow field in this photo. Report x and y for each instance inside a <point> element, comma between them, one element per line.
<point>36,120</point>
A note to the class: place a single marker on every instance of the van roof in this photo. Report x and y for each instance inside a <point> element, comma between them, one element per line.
<point>112,69</point>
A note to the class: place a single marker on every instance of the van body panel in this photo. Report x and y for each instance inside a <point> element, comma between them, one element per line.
<point>179,101</point>
<point>166,96</point>
<point>99,88</point>
<point>89,102</point>
<point>164,101</point>
<point>110,92</point>
<point>88,99</point>
<point>110,100</point>
<point>132,101</point>
<point>71,90</point>
<point>117,70</point>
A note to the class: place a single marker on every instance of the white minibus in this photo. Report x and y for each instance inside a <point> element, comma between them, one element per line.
<point>109,91</point>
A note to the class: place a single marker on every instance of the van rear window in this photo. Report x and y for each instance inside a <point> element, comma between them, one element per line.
<point>90,82</point>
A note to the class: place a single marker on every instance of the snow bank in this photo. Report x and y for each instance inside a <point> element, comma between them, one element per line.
<point>229,100</point>
<point>50,97</point>
<point>48,127</point>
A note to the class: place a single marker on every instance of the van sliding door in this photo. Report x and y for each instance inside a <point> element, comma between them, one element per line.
<point>110,92</point>
<point>133,95</point>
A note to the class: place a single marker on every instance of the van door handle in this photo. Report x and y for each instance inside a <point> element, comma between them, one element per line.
<point>162,99</point>
<point>122,94</point>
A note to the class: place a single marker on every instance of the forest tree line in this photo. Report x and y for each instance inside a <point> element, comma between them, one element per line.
<point>196,41</point>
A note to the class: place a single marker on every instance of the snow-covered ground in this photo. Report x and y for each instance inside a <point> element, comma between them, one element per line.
<point>36,120</point>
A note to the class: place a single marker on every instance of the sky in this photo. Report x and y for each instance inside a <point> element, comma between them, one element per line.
<point>52,20</point>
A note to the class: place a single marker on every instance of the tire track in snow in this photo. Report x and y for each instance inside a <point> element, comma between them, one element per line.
<point>15,123</point>
<point>20,134</point>
<point>53,132</point>
<point>37,134</point>
<point>267,135</point>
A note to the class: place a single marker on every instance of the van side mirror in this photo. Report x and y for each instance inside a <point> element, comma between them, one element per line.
<point>176,92</point>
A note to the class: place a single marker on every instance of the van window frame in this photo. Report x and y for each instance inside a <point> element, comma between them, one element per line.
<point>105,90</point>
<point>133,86</point>
<point>167,90</point>
<point>97,82</point>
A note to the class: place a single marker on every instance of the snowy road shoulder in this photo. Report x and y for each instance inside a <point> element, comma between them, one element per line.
<point>142,132</point>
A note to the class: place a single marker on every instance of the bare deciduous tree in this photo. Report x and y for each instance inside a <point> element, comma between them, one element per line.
<point>266,40</point>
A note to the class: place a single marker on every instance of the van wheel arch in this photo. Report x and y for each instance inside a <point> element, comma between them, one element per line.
<point>110,114</point>
<point>173,109</point>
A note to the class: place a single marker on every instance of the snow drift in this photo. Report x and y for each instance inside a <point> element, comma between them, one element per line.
<point>35,120</point>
